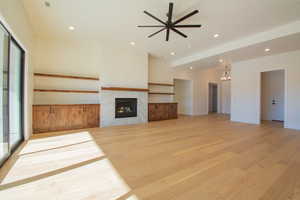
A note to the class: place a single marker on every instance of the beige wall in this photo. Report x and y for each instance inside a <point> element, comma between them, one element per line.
<point>202,77</point>
<point>246,84</point>
<point>13,16</point>
<point>184,96</point>
<point>160,71</point>
<point>118,66</point>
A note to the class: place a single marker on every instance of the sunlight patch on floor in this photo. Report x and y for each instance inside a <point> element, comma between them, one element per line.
<point>59,152</point>
<point>42,144</point>
<point>132,197</point>
<point>97,180</point>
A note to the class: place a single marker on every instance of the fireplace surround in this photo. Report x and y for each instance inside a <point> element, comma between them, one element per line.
<point>125,107</point>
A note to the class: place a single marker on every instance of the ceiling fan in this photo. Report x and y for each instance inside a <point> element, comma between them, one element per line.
<point>169,24</point>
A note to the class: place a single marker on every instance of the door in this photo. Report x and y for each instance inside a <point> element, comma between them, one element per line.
<point>15,94</point>
<point>42,118</point>
<point>173,110</point>
<point>213,98</point>
<point>59,117</point>
<point>272,97</point>
<point>4,47</point>
<point>76,117</point>
<point>92,116</point>
<point>163,111</point>
<point>11,94</point>
<point>152,113</point>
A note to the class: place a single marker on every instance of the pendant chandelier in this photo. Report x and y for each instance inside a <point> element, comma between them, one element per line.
<point>226,75</point>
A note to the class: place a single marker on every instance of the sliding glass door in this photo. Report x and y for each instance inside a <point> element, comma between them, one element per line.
<point>15,94</point>
<point>11,93</point>
<point>4,47</point>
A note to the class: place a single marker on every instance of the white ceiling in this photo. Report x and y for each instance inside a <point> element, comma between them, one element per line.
<point>116,20</point>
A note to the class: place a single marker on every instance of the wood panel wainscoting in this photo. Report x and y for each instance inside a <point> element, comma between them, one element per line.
<point>162,111</point>
<point>47,118</point>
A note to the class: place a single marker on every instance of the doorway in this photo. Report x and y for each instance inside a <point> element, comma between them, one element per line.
<point>273,95</point>
<point>212,98</point>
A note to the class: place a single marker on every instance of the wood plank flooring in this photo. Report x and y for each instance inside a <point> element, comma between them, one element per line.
<point>191,158</point>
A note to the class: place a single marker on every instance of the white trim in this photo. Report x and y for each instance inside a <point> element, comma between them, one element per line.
<point>285,93</point>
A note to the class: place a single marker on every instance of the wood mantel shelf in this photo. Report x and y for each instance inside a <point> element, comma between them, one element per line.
<point>66,91</point>
<point>162,93</point>
<point>66,76</point>
<point>125,89</point>
<point>161,84</point>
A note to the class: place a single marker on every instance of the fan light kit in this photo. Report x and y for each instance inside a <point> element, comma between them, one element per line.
<point>170,24</point>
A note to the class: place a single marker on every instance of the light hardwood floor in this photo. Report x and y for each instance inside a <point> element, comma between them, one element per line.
<point>192,158</point>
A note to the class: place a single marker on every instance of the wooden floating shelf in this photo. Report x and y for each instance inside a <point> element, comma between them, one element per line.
<point>162,84</point>
<point>66,76</point>
<point>125,89</point>
<point>162,93</point>
<point>66,91</point>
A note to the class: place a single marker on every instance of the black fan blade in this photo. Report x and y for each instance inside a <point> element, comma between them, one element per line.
<point>149,14</point>
<point>170,14</point>
<point>187,26</point>
<point>156,32</point>
<point>168,35</point>
<point>151,26</point>
<point>178,32</point>
<point>185,17</point>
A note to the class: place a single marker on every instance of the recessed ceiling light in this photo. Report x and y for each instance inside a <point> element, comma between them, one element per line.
<point>72,28</point>
<point>191,68</point>
<point>221,60</point>
<point>173,53</point>
<point>267,50</point>
<point>132,43</point>
<point>216,35</point>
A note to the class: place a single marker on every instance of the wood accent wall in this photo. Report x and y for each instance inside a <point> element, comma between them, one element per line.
<point>47,118</point>
<point>162,111</point>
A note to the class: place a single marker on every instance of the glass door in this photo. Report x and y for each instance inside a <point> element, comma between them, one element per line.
<point>11,94</point>
<point>15,94</point>
<point>4,47</point>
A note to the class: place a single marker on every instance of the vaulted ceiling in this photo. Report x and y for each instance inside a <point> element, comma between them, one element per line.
<point>116,21</point>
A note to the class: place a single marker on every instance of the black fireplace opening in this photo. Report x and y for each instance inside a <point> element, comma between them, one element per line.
<point>126,107</point>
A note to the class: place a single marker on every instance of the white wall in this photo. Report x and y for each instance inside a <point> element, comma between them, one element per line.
<point>13,16</point>
<point>119,66</point>
<point>184,96</point>
<point>225,97</point>
<point>202,78</point>
<point>246,87</point>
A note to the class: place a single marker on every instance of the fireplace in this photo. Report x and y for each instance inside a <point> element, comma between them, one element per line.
<point>126,107</point>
